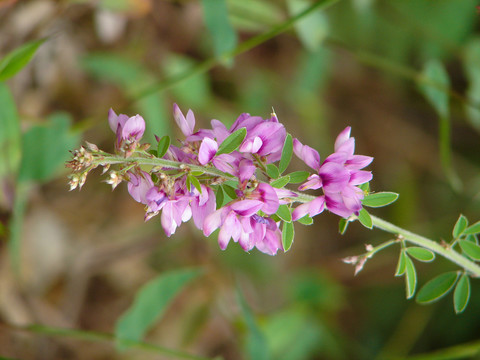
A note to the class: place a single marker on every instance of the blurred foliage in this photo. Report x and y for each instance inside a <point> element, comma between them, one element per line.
<point>349,62</point>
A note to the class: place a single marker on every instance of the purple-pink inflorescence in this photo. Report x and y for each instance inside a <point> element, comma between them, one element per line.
<point>241,203</point>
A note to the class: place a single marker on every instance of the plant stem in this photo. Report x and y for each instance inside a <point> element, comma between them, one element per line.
<point>446,251</point>
<point>154,161</point>
<point>105,337</point>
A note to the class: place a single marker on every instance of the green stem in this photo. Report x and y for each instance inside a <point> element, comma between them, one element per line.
<point>240,49</point>
<point>445,251</point>
<point>154,161</point>
<point>104,337</point>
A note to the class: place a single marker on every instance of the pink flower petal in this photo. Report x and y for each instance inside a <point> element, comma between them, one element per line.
<point>207,151</point>
<point>308,155</point>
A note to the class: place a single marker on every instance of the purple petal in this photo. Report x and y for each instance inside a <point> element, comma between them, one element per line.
<point>314,182</point>
<point>186,125</point>
<point>207,151</point>
<point>246,207</point>
<point>139,185</point>
<point>200,210</point>
<point>312,208</point>
<point>334,177</point>
<point>168,223</point>
<point>246,241</point>
<point>347,147</point>
<point>360,177</point>
<point>213,221</point>
<point>357,162</point>
<point>335,204</point>
<point>112,120</point>
<point>251,145</point>
<point>245,170</point>
<point>269,197</point>
<point>134,128</point>
<point>342,137</point>
<point>246,121</point>
<point>270,243</point>
<point>308,155</point>
<point>220,132</point>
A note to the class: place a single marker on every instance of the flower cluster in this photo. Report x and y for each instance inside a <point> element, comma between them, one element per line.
<point>227,178</point>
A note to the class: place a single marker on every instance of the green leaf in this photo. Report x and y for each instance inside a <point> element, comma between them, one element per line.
<point>216,19</point>
<point>272,171</point>
<point>16,60</point>
<point>312,29</point>
<point>232,142</point>
<point>402,264</point>
<point>230,191</point>
<point>461,294</point>
<point>379,199</point>
<point>288,233</point>
<point>219,197</point>
<point>472,238</point>
<point>197,172</point>
<point>194,181</point>
<point>188,183</point>
<point>470,248</point>
<point>284,213</point>
<point>421,254</point>
<point>280,182</point>
<point>45,148</point>
<point>460,226</point>
<point>410,277</point>
<point>365,187</point>
<point>435,87</point>
<point>297,177</point>
<point>287,153</point>
<point>437,287</point>
<point>151,301</point>
<point>163,145</point>
<point>10,135</point>
<point>473,229</point>
<point>342,226</point>
<point>365,219</point>
<point>306,220</point>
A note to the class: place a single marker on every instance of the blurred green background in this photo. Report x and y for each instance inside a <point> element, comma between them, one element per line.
<point>77,259</point>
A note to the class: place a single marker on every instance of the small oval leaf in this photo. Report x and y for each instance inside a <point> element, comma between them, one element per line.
<point>163,145</point>
<point>461,294</point>
<point>232,142</point>
<point>280,182</point>
<point>286,154</point>
<point>194,181</point>
<point>230,191</point>
<point>365,218</point>
<point>272,171</point>
<point>284,213</point>
<point>379,199</point>
<point>460,226</point>
<point>410,277</point>
<point>421,254</point>
<point>470,248</point>
<point>288,233</point>
<point>473,229</point>
<point>16,60</point>
<point>342,226</point>
<point>306,220</point>
<point>437,287</point>
<point>401,264</point>
<point>297,177</point>
<point>219,197</point>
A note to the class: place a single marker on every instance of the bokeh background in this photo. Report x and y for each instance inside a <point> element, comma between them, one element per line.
<point>84,255</point>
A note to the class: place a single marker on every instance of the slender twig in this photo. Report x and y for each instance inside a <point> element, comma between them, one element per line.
<point>104,337</point>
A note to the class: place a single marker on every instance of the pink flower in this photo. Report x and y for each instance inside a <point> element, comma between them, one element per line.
<point>127,129</point>
<point>186,124</point>
<point>138,186</point>
<point>338,176</point>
